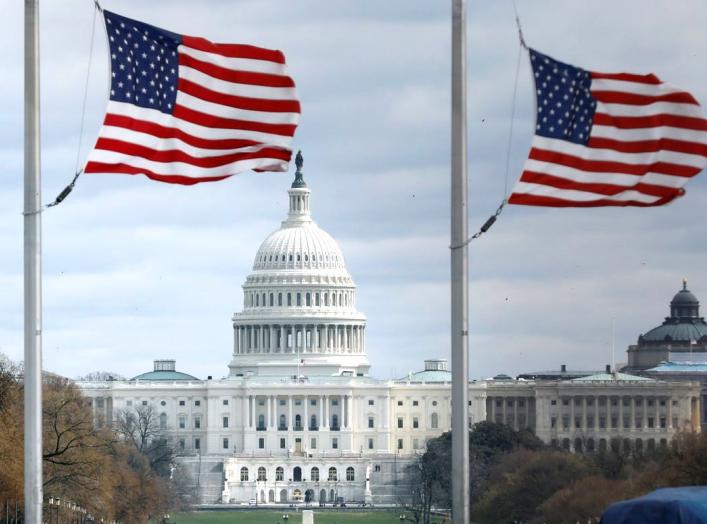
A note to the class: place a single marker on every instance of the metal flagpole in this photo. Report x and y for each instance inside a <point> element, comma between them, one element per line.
<point>32,273</point>
<point>459,272</point>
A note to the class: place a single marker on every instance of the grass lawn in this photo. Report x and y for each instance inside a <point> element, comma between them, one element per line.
<point>274,517</point>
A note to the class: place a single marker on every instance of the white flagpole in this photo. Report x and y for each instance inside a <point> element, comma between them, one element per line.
<point>459,272</point>
<point>32,273</point>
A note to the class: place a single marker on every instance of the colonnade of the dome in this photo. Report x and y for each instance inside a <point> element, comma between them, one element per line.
<point>299,338</point>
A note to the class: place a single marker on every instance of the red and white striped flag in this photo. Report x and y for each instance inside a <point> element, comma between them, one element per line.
<point>609,139</point>
<point>185,110</point>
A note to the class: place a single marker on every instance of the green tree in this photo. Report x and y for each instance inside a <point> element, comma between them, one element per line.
<point>523,480</point>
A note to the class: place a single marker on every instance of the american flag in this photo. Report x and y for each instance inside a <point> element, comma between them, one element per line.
<point>605,139</point>
<point>185,110</point>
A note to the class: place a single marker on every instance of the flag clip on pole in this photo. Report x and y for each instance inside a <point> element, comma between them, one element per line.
<point>459,271</point>
<point>32,274</point>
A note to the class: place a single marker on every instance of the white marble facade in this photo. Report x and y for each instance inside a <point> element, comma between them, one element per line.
<point>299,415</point>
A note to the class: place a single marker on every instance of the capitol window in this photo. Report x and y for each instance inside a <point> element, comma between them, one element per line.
<point>283,443</point>
<point>261,474</point>
<point>415,423</point>
<point>400,443</point>
<point>279,299</point>
<point>225,422</point>
<point>308,299</point>
<point>289,299</point>
<point>181,403</point>
<point>371,422</point>
<point>279,473</point>
<point>272,299</point>
<point>332,474</point>
<point>371,402</point>
<point>197,443</point>
<point>314,474</point>
<point>326,299</point>
<point>316,299</point>
<point>182,422</point>
<point>334,443</point>
<point>244,474</point>
<point>434,421</point>
<point>400,422</point>
<point>370,443</point>
<point>349,473</point>
<point>299,299</point>
<point>225,443</point>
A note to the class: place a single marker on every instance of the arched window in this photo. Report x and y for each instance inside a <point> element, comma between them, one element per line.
<point>283,422</point>
<point>244,474</point>
<point>261,422</point>
<point>289,299</point>
<point>298,422</point>
<point>314,474</point>
<point>335,421</point>
<point>316,299</point>
<point>257,299</point>
<point>272,300</point>
<point>313,422</point>
<point>332,474</point>
<point>299,299</point>
<point>163,421</point>
<point>434,422</point>
<point>279,473</point>
<point>308,299</point>
<point>261,473</point>
<point>349,473</point>
<point>326,299</point>
<point>263,302</point>
<point>333,299</point>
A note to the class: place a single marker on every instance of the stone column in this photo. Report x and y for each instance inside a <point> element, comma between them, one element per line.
<point>347,410</point>
<point>326,411</point>
<point>669,421</point>
<point>250,411</point>
<point>289,407</point>
<point>321,410</point>
<point>273,336</point>
<point>596,413</point>
<point>572,427</point>
<point>268,401</point>
<point>305,422</point>
<point>633,412</point>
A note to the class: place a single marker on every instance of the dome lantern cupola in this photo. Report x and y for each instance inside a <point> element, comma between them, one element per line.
<point>684,304</point>
<point>299,197</point>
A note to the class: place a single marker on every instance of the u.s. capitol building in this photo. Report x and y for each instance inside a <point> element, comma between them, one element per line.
<point>299,417</point>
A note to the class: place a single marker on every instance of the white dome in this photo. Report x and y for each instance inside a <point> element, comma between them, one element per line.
<point>299,246</point>
<point>299,303</point>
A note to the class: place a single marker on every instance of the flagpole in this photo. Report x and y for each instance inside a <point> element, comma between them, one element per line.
<point>459,272</point>
<point>32,274</point>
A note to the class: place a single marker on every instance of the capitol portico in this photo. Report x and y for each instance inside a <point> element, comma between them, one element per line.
<point>299,417</point>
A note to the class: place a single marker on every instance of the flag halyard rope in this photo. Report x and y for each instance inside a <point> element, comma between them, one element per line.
<point>77,171</point>
<point>492,219</point>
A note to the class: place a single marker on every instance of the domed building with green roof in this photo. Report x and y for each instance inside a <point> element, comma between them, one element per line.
<point>682,337</point>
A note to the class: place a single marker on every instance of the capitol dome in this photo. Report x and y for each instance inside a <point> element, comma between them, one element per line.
<point>299,302</point>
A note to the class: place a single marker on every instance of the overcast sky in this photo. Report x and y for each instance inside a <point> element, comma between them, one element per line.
<point>136,270</point>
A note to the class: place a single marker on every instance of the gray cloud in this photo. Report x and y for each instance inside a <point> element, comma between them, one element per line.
<point>136,270</point>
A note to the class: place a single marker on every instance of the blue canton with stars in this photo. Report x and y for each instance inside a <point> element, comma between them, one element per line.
<point>565,105</point>
<point>144,63</point>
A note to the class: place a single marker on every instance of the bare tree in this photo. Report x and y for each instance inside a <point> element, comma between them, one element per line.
<point>140,426</point>
<point>100,376</point>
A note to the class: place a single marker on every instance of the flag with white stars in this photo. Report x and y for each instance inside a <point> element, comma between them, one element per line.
<point>609,139</point>
<point>185,110</point>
